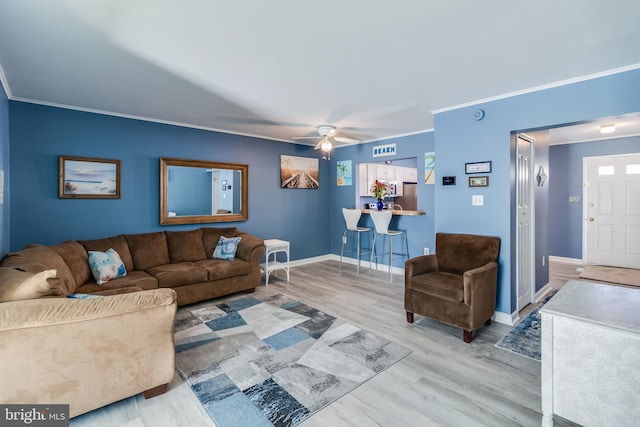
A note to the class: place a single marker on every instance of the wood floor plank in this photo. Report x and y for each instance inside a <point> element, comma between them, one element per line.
<point>443,382</point>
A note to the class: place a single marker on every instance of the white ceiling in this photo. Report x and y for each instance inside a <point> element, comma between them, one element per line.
<point>375,69</point>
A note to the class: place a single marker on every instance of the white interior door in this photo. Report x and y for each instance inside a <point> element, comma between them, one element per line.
<point>525,221</point>
<point>612,210</point>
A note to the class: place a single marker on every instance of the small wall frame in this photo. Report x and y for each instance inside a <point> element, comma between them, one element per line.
<point>477,167</point>
<point>88,178</point>
<point>478,181</point>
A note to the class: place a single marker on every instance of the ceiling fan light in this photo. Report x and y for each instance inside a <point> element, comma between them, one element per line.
<point>608,128</point>
<point>326,145</point>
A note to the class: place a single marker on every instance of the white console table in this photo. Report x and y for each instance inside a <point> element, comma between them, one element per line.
<point>272,247</point>
<point>591,355</point>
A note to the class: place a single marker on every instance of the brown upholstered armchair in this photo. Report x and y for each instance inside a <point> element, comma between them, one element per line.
<point>455,285</point>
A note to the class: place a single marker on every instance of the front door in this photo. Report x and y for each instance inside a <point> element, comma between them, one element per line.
<point>612,210</point>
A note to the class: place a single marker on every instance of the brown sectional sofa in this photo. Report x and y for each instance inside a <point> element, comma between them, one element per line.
<point>180,260</point>
<point>94,351</point>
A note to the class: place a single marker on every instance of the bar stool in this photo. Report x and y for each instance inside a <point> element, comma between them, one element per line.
<point>351,218</point>
<point>381,220</point>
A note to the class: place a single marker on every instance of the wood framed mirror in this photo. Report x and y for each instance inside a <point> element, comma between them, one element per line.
<point>198,191</point>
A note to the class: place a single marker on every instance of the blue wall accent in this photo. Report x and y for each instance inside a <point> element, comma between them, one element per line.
<point>565,179</point>
<point>459,139</point>
<point>39,134</point>
<point>4,166</point>
<point>419,228</point>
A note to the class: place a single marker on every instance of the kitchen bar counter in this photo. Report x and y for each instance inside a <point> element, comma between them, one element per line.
<point>397,212</point>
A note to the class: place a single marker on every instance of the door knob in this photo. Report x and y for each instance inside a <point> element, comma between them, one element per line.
<point>591,219</point>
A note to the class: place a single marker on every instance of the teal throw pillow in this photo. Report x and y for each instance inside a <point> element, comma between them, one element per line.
<point>226,248</point>
<point>106,266</point>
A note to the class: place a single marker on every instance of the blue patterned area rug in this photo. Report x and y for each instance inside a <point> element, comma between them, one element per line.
<point>524,338</point>
<point>275,361</point>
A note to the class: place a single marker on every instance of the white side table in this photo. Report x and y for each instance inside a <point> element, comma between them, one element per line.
<point>272,247</point>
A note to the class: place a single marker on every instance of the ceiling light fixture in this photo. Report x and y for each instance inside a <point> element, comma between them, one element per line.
<point>608,128</point>
<point>326,147</point>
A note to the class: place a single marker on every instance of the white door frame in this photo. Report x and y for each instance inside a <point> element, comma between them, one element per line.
<point>531,236</point>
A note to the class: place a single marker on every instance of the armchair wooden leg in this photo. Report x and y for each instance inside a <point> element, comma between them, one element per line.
<point>409,317</point>
<point>156,391</point>
<point>488,322</point>
<point>466,336</point>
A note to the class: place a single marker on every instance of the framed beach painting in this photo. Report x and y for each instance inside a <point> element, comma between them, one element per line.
<point>299,172</point>
<point>88,178</point>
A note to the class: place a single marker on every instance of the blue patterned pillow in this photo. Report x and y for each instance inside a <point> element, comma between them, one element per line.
<point>106,266</point>
<point>83,296</point>
<point>226,248</point>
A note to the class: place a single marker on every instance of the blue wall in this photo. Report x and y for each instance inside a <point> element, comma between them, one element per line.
<point>39,134</point>
<point>460,139</point>
<point>565,179</point>
<point>4,166</point>
<point>419,228</point>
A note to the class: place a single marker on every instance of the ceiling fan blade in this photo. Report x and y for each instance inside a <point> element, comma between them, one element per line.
<point>305,137</point>
<point>318,145</point>
<point>346,140</point>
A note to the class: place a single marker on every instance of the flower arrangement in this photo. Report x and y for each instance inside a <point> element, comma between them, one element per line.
<point>379,189</point>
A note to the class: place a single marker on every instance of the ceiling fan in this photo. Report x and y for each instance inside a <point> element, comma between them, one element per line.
<point>326,136</point>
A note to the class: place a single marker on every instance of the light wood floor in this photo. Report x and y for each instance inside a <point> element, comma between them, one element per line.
<point>443,382</point>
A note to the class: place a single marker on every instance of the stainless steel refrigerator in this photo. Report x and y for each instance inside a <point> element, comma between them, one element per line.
<point>409,198</point>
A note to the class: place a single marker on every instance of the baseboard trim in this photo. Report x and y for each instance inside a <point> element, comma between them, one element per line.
<point>311,260</point>
<point>506,318</point>
<point>539,296</point>
<point>567,260</point>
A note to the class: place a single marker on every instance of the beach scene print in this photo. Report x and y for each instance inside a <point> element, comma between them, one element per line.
<point>89,178</point>
<point>299,172</point>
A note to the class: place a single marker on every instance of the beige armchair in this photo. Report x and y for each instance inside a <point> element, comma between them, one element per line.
<point>87,352</point>
<point>455,285</point>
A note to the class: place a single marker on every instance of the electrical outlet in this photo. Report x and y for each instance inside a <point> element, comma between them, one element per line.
<point>426,251</point>
<point>543,261</point>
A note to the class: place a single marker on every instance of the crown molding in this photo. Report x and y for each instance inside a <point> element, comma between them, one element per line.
<point>540,88</point>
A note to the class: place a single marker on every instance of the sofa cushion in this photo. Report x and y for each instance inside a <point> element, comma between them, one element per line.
<point>47,257</point>
<point>458,253</point>
<point>211,236</point>
<point>118,291</point>
<point>439,284</point>
<point>148,249</point>
<point>75,256</point>
<point>106,266</point>
<point>118,243</point>
<point>185,245</point>
<point>226,248</point>
<point>178,274</point>
<point>223,269</point>
<point>136,279</point>
<point>18,285</point>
